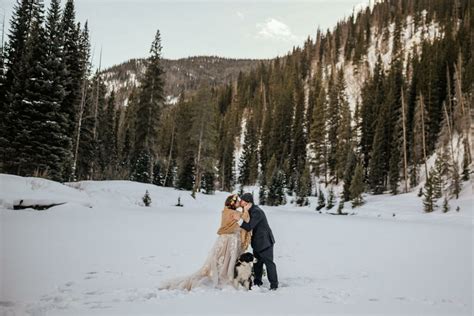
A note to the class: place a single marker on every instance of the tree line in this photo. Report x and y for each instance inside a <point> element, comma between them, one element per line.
<point>287,125</point>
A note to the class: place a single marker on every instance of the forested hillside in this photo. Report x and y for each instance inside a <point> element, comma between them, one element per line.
<point>185,74</point>
<point>363,105</point>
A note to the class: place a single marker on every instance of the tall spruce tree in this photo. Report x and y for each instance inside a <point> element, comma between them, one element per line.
<point>249,160</point>
<point>3,97</point>
<point>372,99</point>
<point>429,199</point>
<point>29,104</point>
<point>107,139</point>
<point>303,188</point>
<point>378,156</point>
<point>185,148</point>
<point>15,78</point>
<point>59,141</point>
<point>333,122</point>
<point>150,104</point>
<point>76,70</point>
<point>418,141</point>
<point>357,186</point>
<point>203,135</point>
<point>318,130</point>
<point>351,162</point>
<point>298,135</point>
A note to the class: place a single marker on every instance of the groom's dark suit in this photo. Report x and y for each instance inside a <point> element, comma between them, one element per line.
<point>262,244</point>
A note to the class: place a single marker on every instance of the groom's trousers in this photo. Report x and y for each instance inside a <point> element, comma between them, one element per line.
<point>265,256</point>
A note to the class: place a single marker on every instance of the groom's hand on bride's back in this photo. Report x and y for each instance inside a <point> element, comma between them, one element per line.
<point>236,216</point>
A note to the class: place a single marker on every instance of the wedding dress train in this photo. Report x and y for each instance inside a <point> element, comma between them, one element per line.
<point>218,269</point>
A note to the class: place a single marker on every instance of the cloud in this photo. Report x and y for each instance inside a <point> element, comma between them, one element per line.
<point>240,15</point>
<point>275,30</point>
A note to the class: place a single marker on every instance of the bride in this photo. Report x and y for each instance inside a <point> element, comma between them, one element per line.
<point>218,269</point>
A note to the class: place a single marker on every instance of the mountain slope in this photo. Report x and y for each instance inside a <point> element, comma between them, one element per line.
<point>185,74</point>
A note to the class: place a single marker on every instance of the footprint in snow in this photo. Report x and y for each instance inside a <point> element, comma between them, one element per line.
<point>93,293</point>
<point>91,275</point>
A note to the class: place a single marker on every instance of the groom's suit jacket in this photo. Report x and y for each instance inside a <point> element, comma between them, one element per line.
<point>262,236</point>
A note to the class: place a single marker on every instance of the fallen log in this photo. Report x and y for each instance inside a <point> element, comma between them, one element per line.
<point>38,207</point>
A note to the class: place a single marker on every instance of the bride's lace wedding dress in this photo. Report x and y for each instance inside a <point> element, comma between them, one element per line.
<point>217,271</point>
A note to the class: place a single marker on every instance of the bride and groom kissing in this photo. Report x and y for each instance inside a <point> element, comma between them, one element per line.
<point>242,222</point>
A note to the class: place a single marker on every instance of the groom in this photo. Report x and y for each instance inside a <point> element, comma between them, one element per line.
<point>262,241</point>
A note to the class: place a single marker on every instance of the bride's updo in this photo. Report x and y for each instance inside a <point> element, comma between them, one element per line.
<point>231,201</point>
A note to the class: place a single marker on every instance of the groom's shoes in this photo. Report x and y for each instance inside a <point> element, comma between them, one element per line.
<point>257,283</point>
<point>273,287</point>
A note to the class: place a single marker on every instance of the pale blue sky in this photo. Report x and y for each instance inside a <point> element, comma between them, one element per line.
<point>239,29</point>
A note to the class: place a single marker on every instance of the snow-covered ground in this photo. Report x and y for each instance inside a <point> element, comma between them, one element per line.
<point>102,253</point>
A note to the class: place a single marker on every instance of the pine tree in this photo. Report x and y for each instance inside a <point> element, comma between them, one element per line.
<point>393,104</point>
<point>249,159</point>
<point>59,141</point>
<point>419,133</point>
<point>321,201</point>
<point>465,166</point>
<point>84,50</point>
<point>372,99</point>
<point>207,185</point>
<point>142,167</point>
<point>76,68</point>
<point>378,162</point>
<point>146,199</point>
<point>394,163</point>
<point>227,112</point>
<point>298,133</point>
<point>150,103</point>
<point>262,195</point>
<point>107,139</point>
<point>186,178</point>
<point>276,189</point>
<point>330,199</point>
<point>339,132</point>
<point>203,135</point>
<point>88,146</point>
<point>351,162</point>
<point>27,99</point>
<point>344,132</point>
<point>333,122</point>
<point>445,205</point>
<point>318,130</point>
<point>15,78</point>
<point>3,97</point>
<point>158,177</point>
<point>38,143</point>
<point>303,188</point>
<point>455,186</point>
<point>184,146</point>
<point>357,186</point>
<point>429,199</point>
<point>437,177</point>
<point>168,144</point>
<point>340,207</point>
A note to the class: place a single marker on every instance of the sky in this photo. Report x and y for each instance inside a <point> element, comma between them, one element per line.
<point>124,29</point>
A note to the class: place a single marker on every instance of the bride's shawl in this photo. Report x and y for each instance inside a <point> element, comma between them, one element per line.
<point>228,224</point>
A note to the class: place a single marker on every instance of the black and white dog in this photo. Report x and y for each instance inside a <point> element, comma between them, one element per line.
<point>243,271</point>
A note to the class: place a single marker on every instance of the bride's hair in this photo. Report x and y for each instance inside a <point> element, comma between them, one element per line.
<point>231,201</point>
